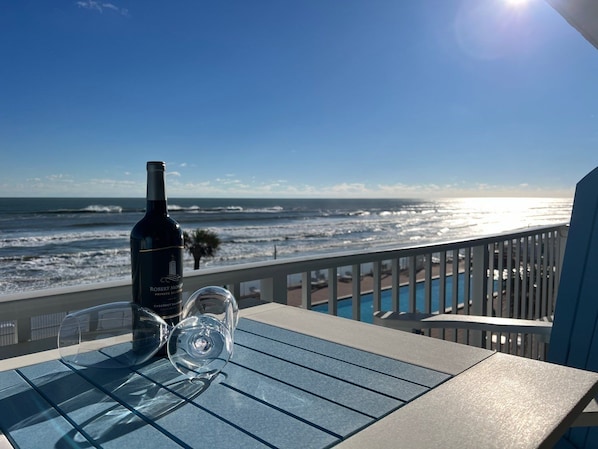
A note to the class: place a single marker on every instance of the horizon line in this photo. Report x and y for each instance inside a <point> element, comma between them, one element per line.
<point>417,198</point>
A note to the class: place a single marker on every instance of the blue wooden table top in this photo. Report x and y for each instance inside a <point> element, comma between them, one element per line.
<point>281,389</point>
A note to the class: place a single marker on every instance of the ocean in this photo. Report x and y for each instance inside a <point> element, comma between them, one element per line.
<point>54,242</point>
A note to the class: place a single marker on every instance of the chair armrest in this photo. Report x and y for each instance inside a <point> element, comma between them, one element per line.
<point>410,321</point>
<point>589,416</point>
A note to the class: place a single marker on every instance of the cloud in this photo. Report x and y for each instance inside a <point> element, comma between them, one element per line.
<point>183,185</point>
<point>59,177</point>
<point>89,4</point>
<point>348,188</point>
<point>101,6</point>
<point>110,6</point>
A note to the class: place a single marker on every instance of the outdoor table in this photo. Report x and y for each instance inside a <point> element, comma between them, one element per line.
<point>299,379</point>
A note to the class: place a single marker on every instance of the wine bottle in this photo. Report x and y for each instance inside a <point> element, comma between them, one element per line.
<point>157,253</point>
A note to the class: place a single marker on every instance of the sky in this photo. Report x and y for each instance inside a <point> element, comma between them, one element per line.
<point>296,98</point>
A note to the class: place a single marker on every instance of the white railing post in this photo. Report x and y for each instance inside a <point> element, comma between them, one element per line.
<point>332,291</point>
<point>23,330</point>
<point>274,289</point>
<point>396,276</point>
<point>479,289</point>
<point>377,285</point>
<point>412,284</point>
<point>356,276</point>
<point>306,289</point>
<point>235,289</point>
<point>428,283</point>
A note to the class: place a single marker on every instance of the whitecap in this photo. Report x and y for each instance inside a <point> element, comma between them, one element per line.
<point>103,209</point>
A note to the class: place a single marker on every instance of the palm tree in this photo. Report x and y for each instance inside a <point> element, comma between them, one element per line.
<point>201,243</point>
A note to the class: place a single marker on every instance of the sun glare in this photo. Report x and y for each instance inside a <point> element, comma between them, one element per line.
<point>516,3</point>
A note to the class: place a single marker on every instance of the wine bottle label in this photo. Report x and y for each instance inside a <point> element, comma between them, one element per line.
<point>162,281</point>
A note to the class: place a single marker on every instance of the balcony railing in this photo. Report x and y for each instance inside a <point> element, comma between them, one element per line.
<point>514,274</point>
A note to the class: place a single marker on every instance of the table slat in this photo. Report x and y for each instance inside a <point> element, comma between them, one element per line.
<point>352,374</point>
<point>429,353</point>
<point>322,413</point>
<point>336,390</point>
<point>402,370</point>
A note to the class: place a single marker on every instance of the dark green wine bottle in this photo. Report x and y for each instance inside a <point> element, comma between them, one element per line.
<point>157,253</point>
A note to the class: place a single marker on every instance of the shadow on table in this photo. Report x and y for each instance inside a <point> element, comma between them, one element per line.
<point>102,404</point>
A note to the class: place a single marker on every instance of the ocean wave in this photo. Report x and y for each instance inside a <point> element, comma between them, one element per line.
<point>240,240</point>
<point>176,207</point>
<point>396,213</point>
<point>91,209</point>
<point>61,239</point>
<point>266,210</point>
<point>26,272</point>
<point>103,209</point>
<point>359,213</point>
<point>224,209</point>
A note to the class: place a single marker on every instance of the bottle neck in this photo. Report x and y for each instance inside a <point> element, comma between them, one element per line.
<point>156,193</point>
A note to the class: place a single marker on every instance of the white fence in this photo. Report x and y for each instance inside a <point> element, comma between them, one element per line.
<point>514,274</point>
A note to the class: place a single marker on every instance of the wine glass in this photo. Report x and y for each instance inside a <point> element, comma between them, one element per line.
<point>124,334</point>
<point>213,301</point>
<point>114,335</point>
<point>202,344</point>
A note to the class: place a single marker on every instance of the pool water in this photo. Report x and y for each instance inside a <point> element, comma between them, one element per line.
<point>367,308</point>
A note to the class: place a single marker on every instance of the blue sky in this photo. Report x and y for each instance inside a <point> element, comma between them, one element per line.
<point>303,98</point>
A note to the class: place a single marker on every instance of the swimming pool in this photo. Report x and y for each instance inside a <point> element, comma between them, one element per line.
<point>367,308</point>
